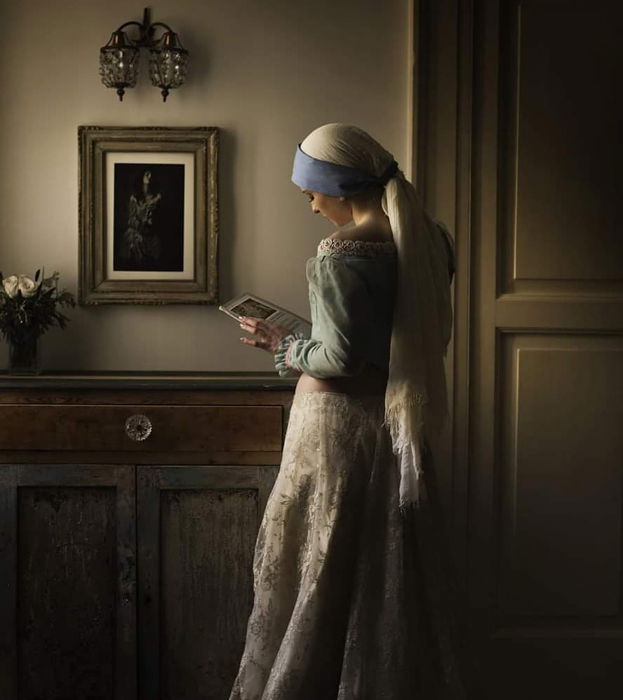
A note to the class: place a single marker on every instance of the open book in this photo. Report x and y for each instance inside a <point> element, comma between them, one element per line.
<point>251,305</point>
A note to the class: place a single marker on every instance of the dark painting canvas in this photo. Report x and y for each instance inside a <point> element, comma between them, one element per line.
<point>149,217</point>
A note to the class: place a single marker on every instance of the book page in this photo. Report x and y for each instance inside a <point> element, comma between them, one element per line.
<point>251,305</point>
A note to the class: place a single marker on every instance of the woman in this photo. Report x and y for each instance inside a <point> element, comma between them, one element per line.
<point>141,243</point>
<point>348,597</point>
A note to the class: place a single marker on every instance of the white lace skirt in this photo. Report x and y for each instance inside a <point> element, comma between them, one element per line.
<point>341,609</point>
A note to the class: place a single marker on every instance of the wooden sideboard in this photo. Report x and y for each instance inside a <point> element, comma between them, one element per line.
<point>129,508</point>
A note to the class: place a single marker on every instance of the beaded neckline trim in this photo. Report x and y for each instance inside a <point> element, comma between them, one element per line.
<point>342,246</point>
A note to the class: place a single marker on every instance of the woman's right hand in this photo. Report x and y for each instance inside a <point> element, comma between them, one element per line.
<point>267,335</point>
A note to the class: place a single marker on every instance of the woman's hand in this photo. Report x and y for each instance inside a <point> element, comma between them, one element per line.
<point>267,335</point>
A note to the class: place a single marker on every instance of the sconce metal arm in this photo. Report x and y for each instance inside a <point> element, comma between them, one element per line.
<point>129,24</point>
<point>146,30</point>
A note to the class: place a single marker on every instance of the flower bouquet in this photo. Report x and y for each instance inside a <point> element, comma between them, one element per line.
<point>28,308</point>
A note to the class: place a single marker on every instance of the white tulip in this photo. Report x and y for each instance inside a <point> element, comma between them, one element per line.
<point>27,286</point>
<point>10,285</point>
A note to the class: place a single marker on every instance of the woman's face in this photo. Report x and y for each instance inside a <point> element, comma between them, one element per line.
<point>332,208</point>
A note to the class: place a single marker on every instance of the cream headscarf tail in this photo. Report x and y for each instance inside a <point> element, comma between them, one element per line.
<point>415,397</point>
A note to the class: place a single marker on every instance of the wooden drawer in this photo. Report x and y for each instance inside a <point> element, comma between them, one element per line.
<point>173,428</point>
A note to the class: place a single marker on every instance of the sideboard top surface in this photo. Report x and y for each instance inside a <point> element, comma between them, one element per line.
<point>186,381</point>
<point>147,388</point>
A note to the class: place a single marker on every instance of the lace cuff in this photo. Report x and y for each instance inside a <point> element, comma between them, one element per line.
<point>281,355</point>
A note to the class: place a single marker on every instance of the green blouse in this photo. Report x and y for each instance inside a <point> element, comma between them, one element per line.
<point>351,297</point>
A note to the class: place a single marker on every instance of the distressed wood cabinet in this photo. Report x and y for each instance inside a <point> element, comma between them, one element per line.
<point>129,508</point>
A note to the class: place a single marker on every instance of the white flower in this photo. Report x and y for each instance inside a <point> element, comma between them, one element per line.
<point>27,286</point>
<point>10,285</point>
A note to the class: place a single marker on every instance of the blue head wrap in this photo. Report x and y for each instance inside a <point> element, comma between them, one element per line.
<point>332,179</point>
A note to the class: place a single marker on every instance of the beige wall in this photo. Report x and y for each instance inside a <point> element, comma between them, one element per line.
<point>265,73</point>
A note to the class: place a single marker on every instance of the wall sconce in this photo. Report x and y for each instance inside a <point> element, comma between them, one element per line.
<point>119,59</point>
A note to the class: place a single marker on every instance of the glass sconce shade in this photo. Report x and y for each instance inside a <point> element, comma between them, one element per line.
<point>168,64</point>
<point>119,63</point>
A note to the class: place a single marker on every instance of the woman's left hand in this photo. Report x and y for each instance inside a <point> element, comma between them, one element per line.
<point>267,335</point>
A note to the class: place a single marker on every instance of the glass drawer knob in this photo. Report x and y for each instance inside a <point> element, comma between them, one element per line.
<point>138,427</point>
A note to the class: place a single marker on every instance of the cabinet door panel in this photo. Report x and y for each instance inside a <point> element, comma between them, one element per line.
<point>197,530</point>
<point>68,572</point>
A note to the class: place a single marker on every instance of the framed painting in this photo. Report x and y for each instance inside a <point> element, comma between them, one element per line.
<point>148,215</point>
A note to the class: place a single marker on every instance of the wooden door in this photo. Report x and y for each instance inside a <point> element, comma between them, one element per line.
<point>68,582</point>
<point>197,527</point>
<point>520,152</point>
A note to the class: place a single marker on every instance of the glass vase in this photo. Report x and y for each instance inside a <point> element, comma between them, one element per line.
<point>24,355</point>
